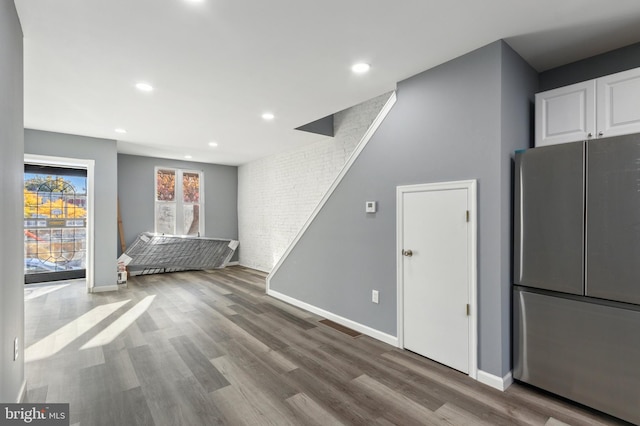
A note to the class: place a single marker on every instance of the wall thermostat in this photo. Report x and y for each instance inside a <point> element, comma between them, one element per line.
<point>370,207</point>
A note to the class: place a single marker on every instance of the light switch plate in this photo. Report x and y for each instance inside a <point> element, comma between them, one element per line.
<point>371,206</point>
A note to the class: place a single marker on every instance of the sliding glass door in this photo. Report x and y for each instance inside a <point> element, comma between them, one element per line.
<point>55,223</point>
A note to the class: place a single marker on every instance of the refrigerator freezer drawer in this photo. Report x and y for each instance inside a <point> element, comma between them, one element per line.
<point>613,219</point>
<point>549,218</point>
<point>583,351</point>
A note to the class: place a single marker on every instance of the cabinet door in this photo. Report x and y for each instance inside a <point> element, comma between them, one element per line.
<point>619,103</point>
<point>566,114</point>
<point>613,219</point>
<point>549,218</point>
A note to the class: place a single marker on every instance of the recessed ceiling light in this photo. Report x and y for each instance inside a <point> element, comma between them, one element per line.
<point>144,87</point>
<point>360,68</point>
<point>268,116</point>
<point>213,144</point>
<point>188,157</point>
<point>119,130</point>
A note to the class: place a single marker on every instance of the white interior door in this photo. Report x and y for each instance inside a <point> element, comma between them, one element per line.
<point>436,272</point>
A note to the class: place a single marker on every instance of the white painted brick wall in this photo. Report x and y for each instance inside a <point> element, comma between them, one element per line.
<point>277,194</point>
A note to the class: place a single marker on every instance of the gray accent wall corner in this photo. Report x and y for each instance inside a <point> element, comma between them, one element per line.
<point>519,85</point>
<point>617,60</point>
<point>11,204</point>
<point>446,125</point>
<point>103,151</point>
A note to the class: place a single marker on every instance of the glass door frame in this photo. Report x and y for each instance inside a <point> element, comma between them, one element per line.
<point>89,166</point>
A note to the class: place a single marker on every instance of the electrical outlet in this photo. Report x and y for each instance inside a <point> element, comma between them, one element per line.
<point>15,349</point>
<point>374,296</point>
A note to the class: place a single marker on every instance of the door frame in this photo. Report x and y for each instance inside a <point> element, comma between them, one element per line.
<point>76,163</point>
<point>470,186</point>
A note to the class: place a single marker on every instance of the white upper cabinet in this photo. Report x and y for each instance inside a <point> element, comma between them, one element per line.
<point>618,106</point>
<point>606,106</point>
<point>566,114</point>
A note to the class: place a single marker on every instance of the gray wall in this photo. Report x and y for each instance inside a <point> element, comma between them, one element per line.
<point>103,151</point>
<point>447,124</point>
<point>519,84</point>
<point>136,186</point>
<point>612,62</point>
<point>11,214</point>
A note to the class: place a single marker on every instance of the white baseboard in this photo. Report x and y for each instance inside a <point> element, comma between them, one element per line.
<point>233,263</point>
<point>103,288</point>
<point>500,383</point>
<point>23,392</point>
<point>257,268</point>
<point>376,334</point>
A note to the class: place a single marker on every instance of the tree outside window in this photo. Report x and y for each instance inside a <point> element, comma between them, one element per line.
<point>54,222</point>
<point>178,202</point>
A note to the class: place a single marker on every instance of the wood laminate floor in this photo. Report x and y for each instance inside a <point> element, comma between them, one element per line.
<point>210,348</point>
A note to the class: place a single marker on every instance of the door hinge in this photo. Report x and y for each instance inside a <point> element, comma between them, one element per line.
<point>468,309</point>
<point>468,215</point>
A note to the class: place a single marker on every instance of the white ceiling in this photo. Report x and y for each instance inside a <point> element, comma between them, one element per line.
<point>218,65</point>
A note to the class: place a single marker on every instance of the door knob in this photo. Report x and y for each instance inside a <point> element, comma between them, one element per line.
<point>407,253</point>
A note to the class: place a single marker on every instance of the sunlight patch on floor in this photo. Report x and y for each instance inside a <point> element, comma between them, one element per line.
<point>32,293</point>
<point>108,335</point>
<point>59,339</point>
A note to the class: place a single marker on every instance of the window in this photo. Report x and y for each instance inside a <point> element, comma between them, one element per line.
<point>55,223</point>
<point>179,206</point>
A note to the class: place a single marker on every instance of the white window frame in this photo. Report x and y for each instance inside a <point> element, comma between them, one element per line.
<point>178,200</point>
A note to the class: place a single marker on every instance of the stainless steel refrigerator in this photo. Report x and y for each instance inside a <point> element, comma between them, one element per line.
<point>576,294</point>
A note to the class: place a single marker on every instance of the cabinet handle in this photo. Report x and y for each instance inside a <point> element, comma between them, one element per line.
<point>589,135</point>
<point>600,134</point>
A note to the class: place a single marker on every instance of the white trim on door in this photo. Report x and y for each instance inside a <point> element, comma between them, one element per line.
<point>78,163</point>
<point>470,186</point>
